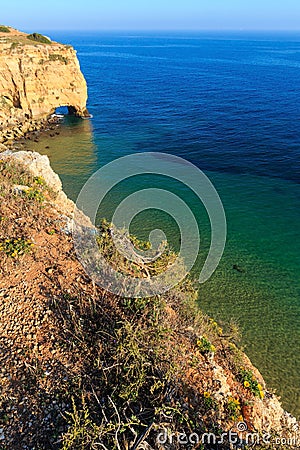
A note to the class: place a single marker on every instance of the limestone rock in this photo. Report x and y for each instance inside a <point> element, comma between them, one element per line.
<point>37,165</point>
<point>19,189</point>
<point>35,79</point>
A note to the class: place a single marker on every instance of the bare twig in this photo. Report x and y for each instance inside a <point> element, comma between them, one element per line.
<point>98,401</point>
<point>119,423</point>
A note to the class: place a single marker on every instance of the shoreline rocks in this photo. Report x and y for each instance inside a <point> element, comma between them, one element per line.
<point>26,130</point>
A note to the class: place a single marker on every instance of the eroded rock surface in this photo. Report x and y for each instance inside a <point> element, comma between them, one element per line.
<point>35,79</point>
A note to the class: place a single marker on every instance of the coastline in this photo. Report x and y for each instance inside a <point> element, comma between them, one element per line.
<point>260,409</point>
<point>28,130</point>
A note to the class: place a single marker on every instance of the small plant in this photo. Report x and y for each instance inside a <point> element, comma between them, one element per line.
<point>205,345</point>
<point>15,247</point>
<point>136,305</point>
<point>35,194</point>
<point>215,327</point>
<point>39,180</point>
<point>82,432</point>
<point>4,29</point>
<point>195,361</point>
<point>234,408</point>
<point>37,37</point>
<point>57,57</point>
<point>209,402</point>
<point>249,381</point>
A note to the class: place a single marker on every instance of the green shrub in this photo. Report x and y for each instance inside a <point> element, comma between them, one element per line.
<point>249,381</point>
<point>15,247</point>
<point>205,345</point>
<point>35,194</point>
<point>39,38</point>
<point>57,57</point>
<point>4,29</point>
<point>209,402</point>
<point>39,180</point>
<point>234,408</point>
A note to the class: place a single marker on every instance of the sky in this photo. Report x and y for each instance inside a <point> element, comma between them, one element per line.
<point>33,15</point>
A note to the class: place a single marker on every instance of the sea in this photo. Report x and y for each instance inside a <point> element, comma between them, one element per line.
<point>229,103</point>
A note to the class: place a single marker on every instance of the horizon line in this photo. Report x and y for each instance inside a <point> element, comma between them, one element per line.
<point>161,30</point>
<point>177,30</point>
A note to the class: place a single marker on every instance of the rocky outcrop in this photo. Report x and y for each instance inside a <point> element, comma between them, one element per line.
<point>39,166</point>
<point>35,79</point>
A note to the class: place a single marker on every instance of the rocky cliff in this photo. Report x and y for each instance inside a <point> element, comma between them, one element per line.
<point>84,369</point>
<point>35,79</point>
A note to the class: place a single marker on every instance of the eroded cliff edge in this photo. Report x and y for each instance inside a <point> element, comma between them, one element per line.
<point>35,79</point>
<point>82,368</point>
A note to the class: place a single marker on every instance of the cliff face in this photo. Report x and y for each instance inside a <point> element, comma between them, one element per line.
<point>35,79</point>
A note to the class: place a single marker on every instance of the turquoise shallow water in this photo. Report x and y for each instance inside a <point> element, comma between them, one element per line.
<point>263,239</point>
<point>229,104</point>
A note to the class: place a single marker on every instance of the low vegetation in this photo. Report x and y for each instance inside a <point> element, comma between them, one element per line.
<point>15,247</point>
<point>14,45</point>
<point>37,37</point>
<point>4,29</point>
<point>58,57</point>
<point>250,382</point>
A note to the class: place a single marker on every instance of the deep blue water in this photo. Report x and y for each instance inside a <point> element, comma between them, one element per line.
<point>230,104</point>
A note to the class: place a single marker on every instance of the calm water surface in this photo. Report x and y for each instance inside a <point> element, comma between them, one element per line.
<point>229,104</point>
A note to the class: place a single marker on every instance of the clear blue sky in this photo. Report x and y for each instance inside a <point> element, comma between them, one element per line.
<point>152,14</point>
